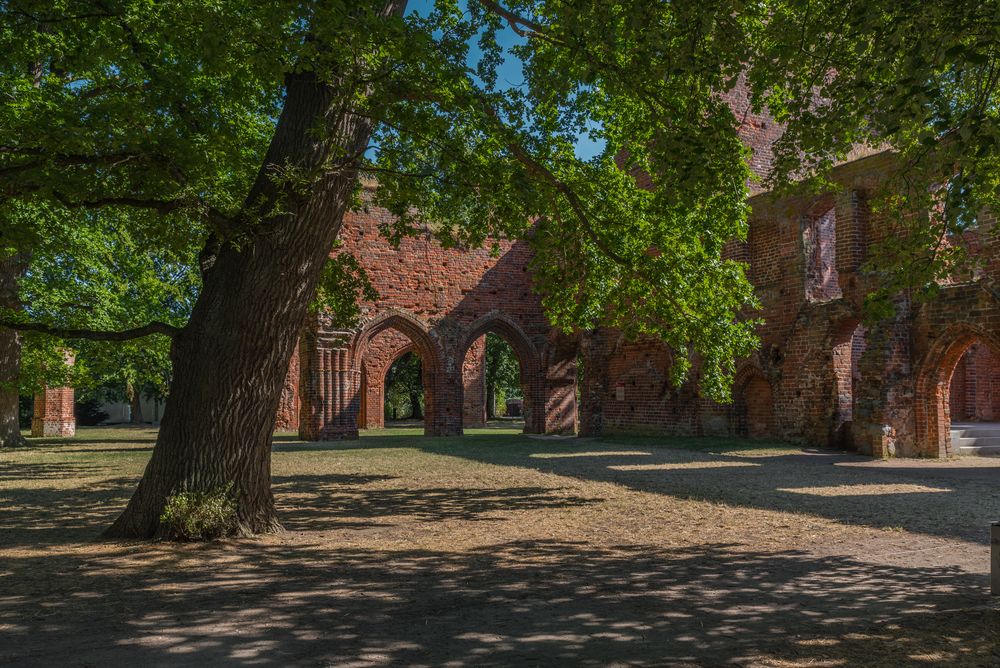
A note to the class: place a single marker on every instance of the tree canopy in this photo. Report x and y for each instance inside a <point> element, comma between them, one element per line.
<point>156,109</point>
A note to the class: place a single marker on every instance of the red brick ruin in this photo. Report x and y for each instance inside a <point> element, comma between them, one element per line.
<point>819,377</point>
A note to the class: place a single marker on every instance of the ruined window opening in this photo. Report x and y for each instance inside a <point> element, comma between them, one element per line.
<point>819,242</point>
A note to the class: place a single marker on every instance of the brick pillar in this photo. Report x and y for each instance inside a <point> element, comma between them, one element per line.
<point>372,401</point>
<point>287,418</point>
<point>329,389</point>
<point>883,416</point>
<point>54,413</point>
<point>559,388</point>
<point>474,384</point>
<point>594,349</point>
<point>442,400</point>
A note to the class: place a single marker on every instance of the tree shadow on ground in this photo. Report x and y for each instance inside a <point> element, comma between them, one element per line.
<point>74,442</point>
<point>310,503</point>
<point>930,498</point>
<point>42,516</point>
<point>515,603</point>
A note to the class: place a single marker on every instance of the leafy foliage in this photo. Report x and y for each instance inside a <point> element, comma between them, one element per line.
<point>200,515</point>
<point>503,372</point>
<point>102,274</point>
<point>404,388</point>
<point>918,79</point>
<point>483,159</point>
<point>154,111</point>
<point>341,287</point>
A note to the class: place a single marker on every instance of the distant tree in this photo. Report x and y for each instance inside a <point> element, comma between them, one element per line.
<point>503,373</point>
<point>404,386</point>
<point>101,273</point>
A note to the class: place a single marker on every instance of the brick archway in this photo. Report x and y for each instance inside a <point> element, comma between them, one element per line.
<point>753,404</point>
<point>528,359</point>
<point>931,410</point>
<point>373,371</point>
<point>417,340</point>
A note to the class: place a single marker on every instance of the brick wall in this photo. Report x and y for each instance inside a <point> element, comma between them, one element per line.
<point>818,378</point>
<point>442,301</point>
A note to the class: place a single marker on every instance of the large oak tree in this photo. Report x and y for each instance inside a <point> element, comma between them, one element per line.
<point>158,107</point>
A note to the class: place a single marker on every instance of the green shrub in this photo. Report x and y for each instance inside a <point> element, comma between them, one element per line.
<point>200,515</point>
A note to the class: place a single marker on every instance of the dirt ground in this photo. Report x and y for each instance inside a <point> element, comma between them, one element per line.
<point>500,549</point>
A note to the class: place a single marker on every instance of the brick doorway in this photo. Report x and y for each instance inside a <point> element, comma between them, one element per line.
<point>959,381</point>
<point>754,407</point>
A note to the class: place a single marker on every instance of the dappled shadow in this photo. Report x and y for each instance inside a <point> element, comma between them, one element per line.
<point>933,498</point>
<point>42,471</point>
<point>318,502</point>
<point>39,516</point>
<point>371,598</point>
<point>59,444</point>
<point>515,603</point>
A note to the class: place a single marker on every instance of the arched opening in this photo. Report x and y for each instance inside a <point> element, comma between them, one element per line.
<point>848,346</point>
<point>958,396</point>
<point>398,365</point>
<point>974,391</point>
<point>500,380</point>
<point>754,407</point>
<point>403,404</point>
<point>492,379</point>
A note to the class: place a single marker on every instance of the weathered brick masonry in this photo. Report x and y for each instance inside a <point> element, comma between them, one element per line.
<point>438,303</point>
<point>819,377</point>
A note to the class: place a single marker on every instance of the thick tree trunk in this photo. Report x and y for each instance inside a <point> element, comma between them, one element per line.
<point>135,404</point>
<point>11,269</point>
<point>230,361</point>
<point>491,402</point>
<point>416,413</point>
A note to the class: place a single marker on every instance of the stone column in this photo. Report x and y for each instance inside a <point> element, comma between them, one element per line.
<point>53,415</point>
<point>330,389</point>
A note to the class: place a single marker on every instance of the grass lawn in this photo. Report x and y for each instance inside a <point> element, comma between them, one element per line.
<point>502,549</point>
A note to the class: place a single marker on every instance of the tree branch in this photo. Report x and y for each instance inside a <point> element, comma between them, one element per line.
<point>161,206</point>
<point>561,186</point>
<point>514,20</point>
<point>95,335</point>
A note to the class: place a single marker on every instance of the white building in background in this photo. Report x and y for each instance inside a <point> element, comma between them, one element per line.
<point>120,412</point>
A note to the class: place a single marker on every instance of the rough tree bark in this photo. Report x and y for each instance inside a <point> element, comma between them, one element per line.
<point>135,404</point>
<point>11,269</point>
<point>416,413</point>
<point>230,360</point>
<point>491,402</point>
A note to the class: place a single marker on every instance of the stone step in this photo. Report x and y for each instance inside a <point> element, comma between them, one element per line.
<point>987,441</point>
<point>979,451</point>
<point>973,432</point>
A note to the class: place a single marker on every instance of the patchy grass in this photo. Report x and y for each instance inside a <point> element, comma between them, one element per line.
<point>502,549</point>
